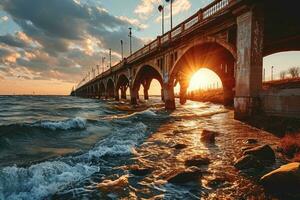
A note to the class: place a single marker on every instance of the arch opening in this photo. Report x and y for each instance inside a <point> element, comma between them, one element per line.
<point>143,83</point>
<point>101,90</point>
<point>122,87</point>
<point>110,89</point>
<point>213,59</point>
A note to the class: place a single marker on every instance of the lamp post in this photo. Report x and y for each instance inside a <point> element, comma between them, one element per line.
<point>103,60</point>
<point>161,9</point>
<point>110,58</point>
<point>130,40</point>
<point>272,69</point>
<point>122,49</point>
<point>171,12</point>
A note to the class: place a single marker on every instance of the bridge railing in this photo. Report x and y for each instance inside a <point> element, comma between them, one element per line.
<point>203,14</point>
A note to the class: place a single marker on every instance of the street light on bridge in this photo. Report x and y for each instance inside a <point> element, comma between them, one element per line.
<point>130,40</point>
<point>171,12</point>
<point>161,9</point>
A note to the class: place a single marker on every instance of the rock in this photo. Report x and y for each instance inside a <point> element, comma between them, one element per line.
<point>184,176</point>
<point>113,185</point>
<point>197,160</point>
<point>247,162</point>
<point>251,141</point>
<point>262,153</point>
<point>139,171</point>
<point>208,136</point>
<point>180,146</point>
<point>216,182</point>
<point>285,179</point>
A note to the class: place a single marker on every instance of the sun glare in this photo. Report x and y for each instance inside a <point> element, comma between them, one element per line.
<point>204,79</point>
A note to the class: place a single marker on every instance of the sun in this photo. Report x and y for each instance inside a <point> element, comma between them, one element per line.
<point>204,79</point>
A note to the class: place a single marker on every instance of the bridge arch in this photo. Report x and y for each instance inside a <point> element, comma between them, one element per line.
<point>144,76</point>
<point>211,53</point>
<point>101,89</point>
<point>122,84</point>
<point>110,88</point>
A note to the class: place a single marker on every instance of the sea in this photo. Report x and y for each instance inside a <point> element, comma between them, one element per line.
<point>63,147</point>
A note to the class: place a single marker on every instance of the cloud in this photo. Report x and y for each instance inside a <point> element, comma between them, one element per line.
<point>4,18</point>
<point>145,8</point>
<point>61,39</point>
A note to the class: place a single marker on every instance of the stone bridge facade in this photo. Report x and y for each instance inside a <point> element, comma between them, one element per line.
<point>230,37</point>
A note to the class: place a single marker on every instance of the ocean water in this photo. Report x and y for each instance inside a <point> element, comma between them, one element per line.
<point>55,147</point>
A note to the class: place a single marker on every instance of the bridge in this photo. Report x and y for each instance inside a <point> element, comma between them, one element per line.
<point>229,37</point>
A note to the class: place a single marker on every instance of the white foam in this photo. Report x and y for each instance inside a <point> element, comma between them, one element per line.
<point>120,143</point>
<point>40,180</point>
<point>76,123</point>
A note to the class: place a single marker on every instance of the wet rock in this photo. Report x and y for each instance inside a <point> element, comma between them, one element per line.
<point>263,153</point>
<point>285,179</point>
<point>179,146</point>
<point>251,141</point>
<point>247,162</point>
<point>186,175</point>
<point>113,185</point>
<point>197,160</point>
<point>208,136</point>
<point>139,171</point>
<point>216,182</point>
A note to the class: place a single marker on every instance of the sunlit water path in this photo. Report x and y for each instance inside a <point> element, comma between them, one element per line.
<point>63,147</point>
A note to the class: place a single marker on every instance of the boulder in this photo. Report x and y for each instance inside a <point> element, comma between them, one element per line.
<point>197,161</point>
<point>263,153</point>
<point>251,141</point>
<point>285,179</point>
<point>139,171</point>
<point>208,136</point>
<point>247,162</point>
<point>179,146</point>
<point>184,176</point>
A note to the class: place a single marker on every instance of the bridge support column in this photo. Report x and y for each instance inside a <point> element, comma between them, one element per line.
<point>162,94</point>
<point>169,96</point>
<point>117,97</point>
<point>182,93</point>
<point>133,96</point>
<point>249,62</point>
<point>123,92</point>
<point>146,87</point>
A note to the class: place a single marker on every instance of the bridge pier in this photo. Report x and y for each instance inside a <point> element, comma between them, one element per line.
<point>169,96</point>
<point>162,94</point>
<point>133,96</point>
<point>123,92</point>
<point>146,87</point>
<point>182,93</point>
<point>250,28</point>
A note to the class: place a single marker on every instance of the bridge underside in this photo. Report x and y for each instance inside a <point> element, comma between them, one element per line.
<point>232,44</point>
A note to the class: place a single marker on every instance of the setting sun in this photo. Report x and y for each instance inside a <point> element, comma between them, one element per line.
<point>204,79</point>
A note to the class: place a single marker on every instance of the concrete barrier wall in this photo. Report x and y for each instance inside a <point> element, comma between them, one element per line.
<point>281,102</point>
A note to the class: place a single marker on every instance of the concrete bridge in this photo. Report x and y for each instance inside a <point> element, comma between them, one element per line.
<point>230,37</point>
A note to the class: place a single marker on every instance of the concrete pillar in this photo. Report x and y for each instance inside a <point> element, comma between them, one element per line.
<point>249,62</point>
<point>146,87</point>
<point>117,97</point>
<point>162,94</point>
<point>133,96</point>
<point>182,93</point>
<point>169,96</point>
<point>123,92</point>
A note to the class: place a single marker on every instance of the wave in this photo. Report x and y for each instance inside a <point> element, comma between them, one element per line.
<point>40,181</point>
<point>75,123</point>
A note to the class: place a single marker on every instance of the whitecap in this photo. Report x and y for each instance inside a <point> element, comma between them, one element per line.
<point>75,123</point>
<point>40,180</point>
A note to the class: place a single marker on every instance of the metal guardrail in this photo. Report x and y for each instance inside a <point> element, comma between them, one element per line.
<point>180,29</point>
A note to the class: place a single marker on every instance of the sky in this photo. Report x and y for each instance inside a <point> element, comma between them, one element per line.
<point>47,46</point>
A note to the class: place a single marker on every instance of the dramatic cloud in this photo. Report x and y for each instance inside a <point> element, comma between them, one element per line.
<point>61,39</point>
